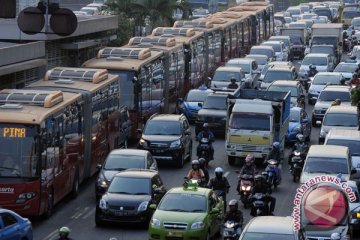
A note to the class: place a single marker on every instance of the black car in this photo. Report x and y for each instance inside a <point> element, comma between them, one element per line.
<point>129,196</point>
<point>168,138</point>
<point>213,112</point>
<point>119,160</point>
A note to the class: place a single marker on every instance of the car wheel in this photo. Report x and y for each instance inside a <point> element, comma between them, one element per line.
<point>231,160</point>
<point>313,121</point>
<point>98,221</point>
<point>180,161</point>
<point>75,186</point>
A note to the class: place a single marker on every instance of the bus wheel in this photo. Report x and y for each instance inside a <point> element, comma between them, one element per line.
<point>50,206</point>
<point>75,186</point>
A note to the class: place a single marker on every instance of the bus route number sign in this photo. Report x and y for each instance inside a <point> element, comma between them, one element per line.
<point>12,132</point>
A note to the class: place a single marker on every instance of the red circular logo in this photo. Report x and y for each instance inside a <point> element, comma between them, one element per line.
<point>325,206</point>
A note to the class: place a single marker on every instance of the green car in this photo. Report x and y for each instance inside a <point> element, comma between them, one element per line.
<point>187,213</point>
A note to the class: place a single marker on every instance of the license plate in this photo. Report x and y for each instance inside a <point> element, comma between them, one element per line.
<point>175,234</point>
<point>159,151</point>
<point>120,213</point>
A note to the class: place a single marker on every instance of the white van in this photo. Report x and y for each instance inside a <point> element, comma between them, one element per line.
<point>350,139</point>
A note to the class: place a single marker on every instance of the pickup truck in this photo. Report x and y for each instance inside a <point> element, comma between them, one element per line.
<point>298,39</point>
<point>255,120</point>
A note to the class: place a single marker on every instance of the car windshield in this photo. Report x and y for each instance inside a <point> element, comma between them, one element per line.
<point>326,165</point>
<point>322,49</point>
<point>130,185</point>
<point>259,60</point>
<point>323,12</point>
<point>326,79</point>
<point>351,14</point>
<point>284,40</point>
<point>196,96</point>
<point>296,40</point>
<point>262,51</point>
<point>294,116</point>
<point>341,119</point>
<point>353,145</point>
<point>275,46</point>
<point>244,66</point>
<point>250,121</point>
<point>355,22</point>
<point>332,95</point>
<point>292,89</point>
<point>19,151</point>
<point>346,68</point>
<point>317,61</point>
<point>121,162</point>
<point>225,76</point>
<point>271,76</point>
<point>212,102</point>
<point>294,11</point>
<point>157,127</point>
<point>268,236</point>
<point>174,202</point>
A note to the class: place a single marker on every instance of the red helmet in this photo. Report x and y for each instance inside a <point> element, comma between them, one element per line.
<point>249,159</point>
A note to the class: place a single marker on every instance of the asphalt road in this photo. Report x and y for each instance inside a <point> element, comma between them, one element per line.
<point>79,213</point>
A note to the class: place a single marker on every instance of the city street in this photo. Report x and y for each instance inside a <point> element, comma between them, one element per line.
<point>79,214</point>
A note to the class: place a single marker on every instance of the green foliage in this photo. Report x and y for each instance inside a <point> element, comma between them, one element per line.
<point>355,96</point>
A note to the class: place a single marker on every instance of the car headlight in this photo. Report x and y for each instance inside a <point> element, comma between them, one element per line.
<point>102,183</point>
<point>175,144</point>
<point>197,225</point>
<point>155,222</point>
<point>296,129</point>
<point>23,197</point>
<point>103,204</point>
<point>312,90</point>
<point>317,111</point>
<point>143,142</point>
<point>322,134</point>
<point>143,206</point>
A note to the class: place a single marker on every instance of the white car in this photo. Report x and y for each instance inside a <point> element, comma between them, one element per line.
<point>321,61</point>
<point>250,68</point>
<point>281,53</point>
<point>320,81</point>
<point>90,10</point>
<point>261,60</point>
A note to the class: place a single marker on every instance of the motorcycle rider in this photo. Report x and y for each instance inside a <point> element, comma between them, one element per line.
<point>202,162</point>
<point>195,172</point>
<point>234,214</point>
<point>336,102</point>
<point>261,186</point>
<point>64,233</point>
<point>206,133</point>
<point>354,80</point>
<point>275,152</point>
<point>312,71</point>
<point>220,182</point>
<point>301,145</point>
<point>233,84</point>
<point>249,168</point>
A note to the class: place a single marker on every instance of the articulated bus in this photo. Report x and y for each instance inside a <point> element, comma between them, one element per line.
<point>48,141</point>
<point>212,36</point>
<point>194,52</point>
<point>174,66</point>
<point>141,73</point>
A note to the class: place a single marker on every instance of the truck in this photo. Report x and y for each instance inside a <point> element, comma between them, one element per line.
<point>328,34</point>
<point>298,39</point>
<point>255,120</point>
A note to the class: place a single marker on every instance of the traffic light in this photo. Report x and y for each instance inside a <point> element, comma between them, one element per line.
<point>62,21</point>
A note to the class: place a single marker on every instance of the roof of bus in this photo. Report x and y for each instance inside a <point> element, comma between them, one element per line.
<point>217,21</point>
<point>127,64</point>
<point>174,48</point>
<point>30,114</point>
<point>188,40</point>
<point>82,85</point>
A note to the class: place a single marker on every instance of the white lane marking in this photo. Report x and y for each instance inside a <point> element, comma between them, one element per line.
<point>79,213</point>
<point>89,213</point>
<point>51,235</point>
<point>226,174</point>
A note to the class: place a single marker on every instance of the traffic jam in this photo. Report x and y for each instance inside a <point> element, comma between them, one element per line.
<point>241,124</point>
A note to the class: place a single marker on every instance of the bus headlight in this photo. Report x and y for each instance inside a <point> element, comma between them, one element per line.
<point>23,197</point>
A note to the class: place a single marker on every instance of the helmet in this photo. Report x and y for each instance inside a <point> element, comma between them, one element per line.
<point>300,137</point>
<point>205,126</point>
<point>195,164</point>
<point>219,172</point>
<point>249,159</point>
<point>259,179</point>
<point>64,232</point>
<point>354,75</point>
<point>337,101</point>
<point>276,145</point>
<point>202,162</point>
<point>233,205</point>
<point>233,80</point>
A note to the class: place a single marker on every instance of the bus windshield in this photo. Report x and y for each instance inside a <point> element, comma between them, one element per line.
<point>18,151</point>
<point>126,87</point>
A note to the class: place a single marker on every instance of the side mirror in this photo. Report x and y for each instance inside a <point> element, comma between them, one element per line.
<point>152,206</point>
<point>200,104</point>
<point>139,131</point>
<point>214,211</point>
<point>98,167</point>
<point>318,122</point>
<point>188,132</point>
<point>209,78</point>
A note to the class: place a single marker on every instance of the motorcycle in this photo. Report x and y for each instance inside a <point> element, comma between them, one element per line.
<point>193,182</point>
<point>231,230</point>
<point>259,205</point>
<point>297,164</point>
<point>273,172</point>
<point>300,149</point>
<point>205,148</point>
<point>245,188</point>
